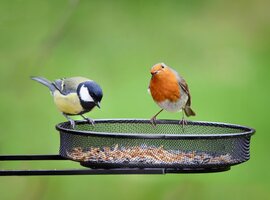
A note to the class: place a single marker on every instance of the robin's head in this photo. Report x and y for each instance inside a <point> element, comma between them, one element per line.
<point>159,68</point>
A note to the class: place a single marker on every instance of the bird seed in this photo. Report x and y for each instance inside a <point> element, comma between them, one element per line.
<point>146,155</point>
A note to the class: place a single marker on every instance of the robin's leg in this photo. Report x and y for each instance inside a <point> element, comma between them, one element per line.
<point>90,121</point>
<point>183,121</point>
<point>154,118</point>
<point>71,121</point>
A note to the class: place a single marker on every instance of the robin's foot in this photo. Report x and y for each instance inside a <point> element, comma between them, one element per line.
<point>183,122</point>
<point>153,121</point>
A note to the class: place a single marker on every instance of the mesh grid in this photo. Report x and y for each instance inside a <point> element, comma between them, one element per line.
<point>136,143</point>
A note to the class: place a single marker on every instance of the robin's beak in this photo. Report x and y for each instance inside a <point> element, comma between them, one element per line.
<point>154,72</point>
<point>98,104</point>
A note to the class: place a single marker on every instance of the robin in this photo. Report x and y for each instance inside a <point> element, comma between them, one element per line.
<point>170,91</point>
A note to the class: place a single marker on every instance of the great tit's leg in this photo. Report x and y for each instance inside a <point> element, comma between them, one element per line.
<point>71,121</point>
<point>154,118</point>
<point>90,121</point>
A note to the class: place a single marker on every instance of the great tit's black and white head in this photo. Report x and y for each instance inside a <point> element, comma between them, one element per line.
<point>90,95</point>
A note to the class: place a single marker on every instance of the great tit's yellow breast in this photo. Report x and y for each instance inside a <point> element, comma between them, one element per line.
<point>68,104</point>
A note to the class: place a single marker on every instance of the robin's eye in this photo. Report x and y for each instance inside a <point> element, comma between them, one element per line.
<point>162,66</point>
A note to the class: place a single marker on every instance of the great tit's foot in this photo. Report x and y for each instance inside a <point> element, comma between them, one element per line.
<point>89,120</point>
<point>72,123</point>
<point>153,121</point>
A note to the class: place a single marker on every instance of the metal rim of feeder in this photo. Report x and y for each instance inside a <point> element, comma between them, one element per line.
<point>247,131</point>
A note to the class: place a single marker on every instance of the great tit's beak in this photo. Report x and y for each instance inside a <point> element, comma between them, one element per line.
<point>98,104</point>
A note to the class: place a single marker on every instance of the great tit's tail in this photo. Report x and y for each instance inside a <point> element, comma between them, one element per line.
<point>45,82</point>
<point>188,111</point>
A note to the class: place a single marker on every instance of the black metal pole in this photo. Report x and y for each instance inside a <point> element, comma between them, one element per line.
<point>30,157</point>
<point>79,172</point>
<point>87,171</point>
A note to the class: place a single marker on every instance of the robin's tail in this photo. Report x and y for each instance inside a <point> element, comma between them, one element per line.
<point>189,112</point>
<point>45,82</point>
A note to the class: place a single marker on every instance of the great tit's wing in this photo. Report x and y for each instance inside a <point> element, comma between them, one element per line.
<point>59,85</point>
<point>69,85</point>
<point>45,82</point>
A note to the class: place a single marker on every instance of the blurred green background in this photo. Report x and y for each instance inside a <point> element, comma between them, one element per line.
<point>220,47</point>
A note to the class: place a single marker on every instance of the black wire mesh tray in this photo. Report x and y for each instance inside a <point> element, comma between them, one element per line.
<point>128,143</point>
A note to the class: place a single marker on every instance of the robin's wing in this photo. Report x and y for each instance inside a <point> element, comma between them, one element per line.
<point>184,86</point>
<point>182,83</point>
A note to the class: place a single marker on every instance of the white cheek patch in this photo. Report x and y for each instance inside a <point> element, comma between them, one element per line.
<point>84,94</point>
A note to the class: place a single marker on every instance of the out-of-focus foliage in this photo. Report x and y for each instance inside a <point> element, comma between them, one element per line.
<point>220,47</point>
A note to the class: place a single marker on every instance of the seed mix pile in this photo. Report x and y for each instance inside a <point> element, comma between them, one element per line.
<point>146,155</point>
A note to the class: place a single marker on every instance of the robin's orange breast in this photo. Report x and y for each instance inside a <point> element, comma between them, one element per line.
<point>164,87</point>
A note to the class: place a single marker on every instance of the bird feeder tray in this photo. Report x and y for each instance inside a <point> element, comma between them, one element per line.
<point>128,143</point>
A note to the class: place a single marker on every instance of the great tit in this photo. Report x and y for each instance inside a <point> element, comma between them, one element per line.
<point>74,96</point>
